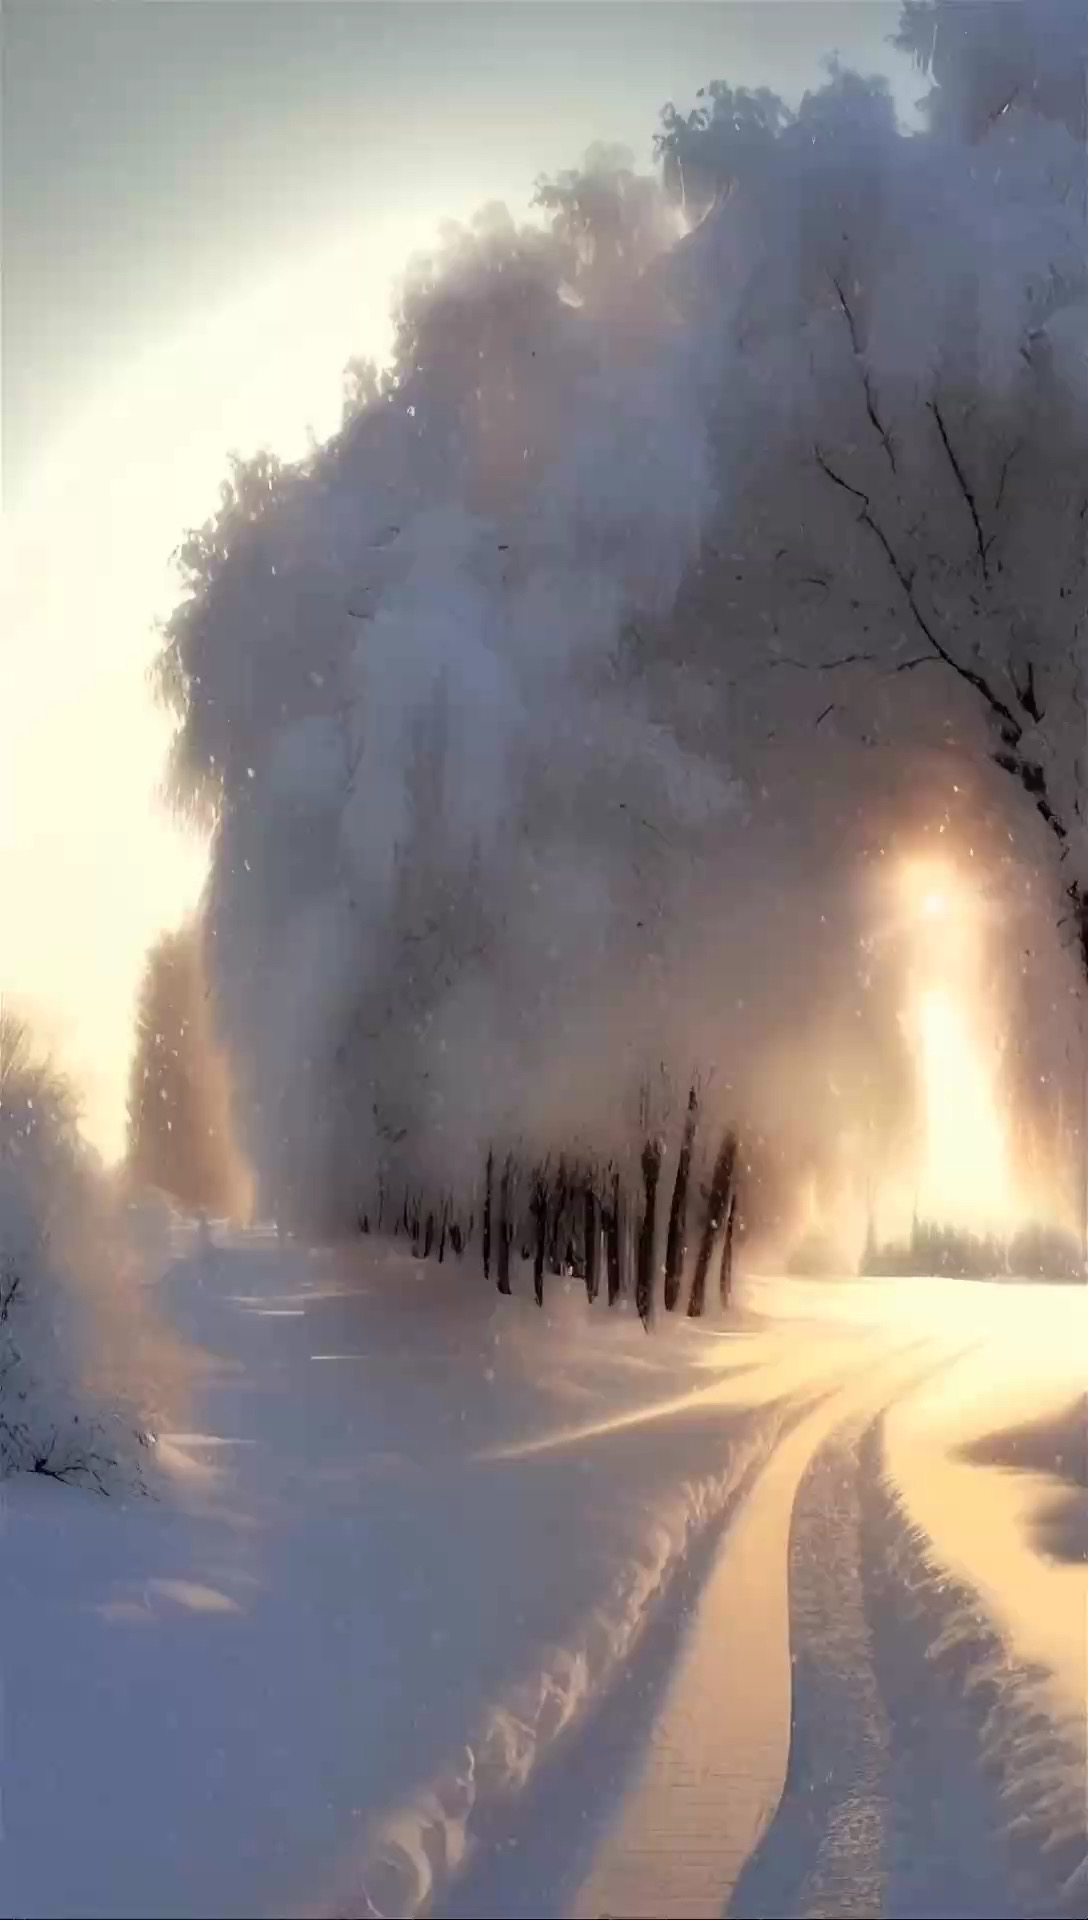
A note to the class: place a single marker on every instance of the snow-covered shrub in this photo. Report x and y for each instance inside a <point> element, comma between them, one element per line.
<point>64,1410</point>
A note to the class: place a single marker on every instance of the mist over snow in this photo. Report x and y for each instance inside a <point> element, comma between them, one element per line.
<point>705,534</point>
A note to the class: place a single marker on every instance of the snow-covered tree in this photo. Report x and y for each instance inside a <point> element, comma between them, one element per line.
<point>903,440</point>
<point>443,795</point>
<point>573,677</point>
<point>179,1130</point>
<point>992,57</point>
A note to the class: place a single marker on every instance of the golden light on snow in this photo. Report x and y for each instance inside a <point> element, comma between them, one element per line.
<point>963,1172</point>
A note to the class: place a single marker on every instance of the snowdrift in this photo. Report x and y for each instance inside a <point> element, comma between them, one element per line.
<point>1022,1782</point>
<point>411,1852</point>
<point>409,1533</point>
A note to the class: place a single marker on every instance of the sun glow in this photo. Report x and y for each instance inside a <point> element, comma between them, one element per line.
<point>92,867</point>
<point>964,1175</point>
<point>963,1171</point>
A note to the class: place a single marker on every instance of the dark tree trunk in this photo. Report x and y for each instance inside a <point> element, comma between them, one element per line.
<point>506,1228</point>
<point>613,1243</point>
<point>538,1207</point>
<point>647,1237</point>
<point>457,1239</point>
<point>676,1244</point>
<point>576,1244</point>
<point>442,1231</point>
<point>428,1237</point>
<point>717,1201</point>
<point>559,1208</point>
<point>725,1277</point>
<point>487,1216</point>
<point>592,1239</point>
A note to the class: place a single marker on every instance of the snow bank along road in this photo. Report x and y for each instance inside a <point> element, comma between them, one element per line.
<point>843,1728</point>
<point>448,1603</point>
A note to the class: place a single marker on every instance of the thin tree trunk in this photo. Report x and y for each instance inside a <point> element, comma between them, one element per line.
<point>538,1207</point>
<point>613,1226</point>
<point>428,1237</point>
<point>506,1228</point>
<point>676,1244</point>
<point>725,1277</point>
<point>487,1216</point>
<point>647,1238</point>
<point>558,1214</point>
<point>442,1231</point>
<point>717,1201</point>
<point>592,1238</point>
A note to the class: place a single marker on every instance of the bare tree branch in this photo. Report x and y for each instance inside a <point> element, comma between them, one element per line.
<point>866,379</point>
<point>964,487</point>
<point>1005,465</point>
<point>1011,730</point>
<point>1029,773</point>
<point>822,666</point>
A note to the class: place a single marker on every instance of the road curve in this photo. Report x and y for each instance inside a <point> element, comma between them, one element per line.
<point>715,1764</point>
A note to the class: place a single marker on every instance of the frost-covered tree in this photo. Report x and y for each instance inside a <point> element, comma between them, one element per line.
<point>573,677</point>
<point>179,1132</point>
<point>903,442</point>
<point>995,56</point>
<point>443,795</point>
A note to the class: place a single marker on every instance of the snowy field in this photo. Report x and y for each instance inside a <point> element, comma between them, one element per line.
<point>405,1535</point>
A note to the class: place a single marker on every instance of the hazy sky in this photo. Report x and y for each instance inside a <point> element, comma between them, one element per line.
<point>204,202</point>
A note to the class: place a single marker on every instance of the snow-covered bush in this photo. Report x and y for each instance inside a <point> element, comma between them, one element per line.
<point>65,1408</point>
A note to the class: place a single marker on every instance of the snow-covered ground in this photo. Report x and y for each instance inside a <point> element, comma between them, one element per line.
<point>960,1783</point>
<point>404,1537</point>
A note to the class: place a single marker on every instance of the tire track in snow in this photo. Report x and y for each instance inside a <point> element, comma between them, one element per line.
<point>717,1758</point>
<point>823,1853</point>
<point>528,1868</point>
<point>924,1781</point>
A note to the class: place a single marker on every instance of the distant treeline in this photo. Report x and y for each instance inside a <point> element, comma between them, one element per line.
<point>1036,1252</point>
<point>614,1230</point>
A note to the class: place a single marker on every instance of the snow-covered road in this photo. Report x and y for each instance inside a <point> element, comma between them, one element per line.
<point>844,1728</point>
<point>717,1757</point>
<point>451,1605</point>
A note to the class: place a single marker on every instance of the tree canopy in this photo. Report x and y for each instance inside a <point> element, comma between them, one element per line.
<point>579,671</point>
